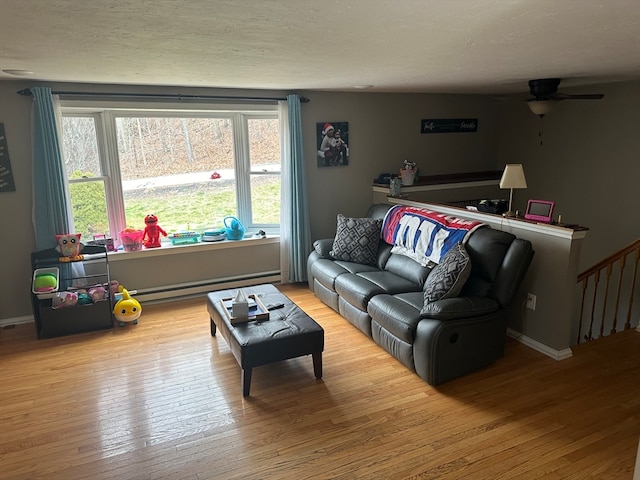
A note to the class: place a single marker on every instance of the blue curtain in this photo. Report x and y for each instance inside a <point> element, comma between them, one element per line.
<point>50,198</point>
<point>295,233</point>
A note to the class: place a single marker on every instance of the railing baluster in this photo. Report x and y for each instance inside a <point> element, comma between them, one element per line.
<point>623,261</point>
<point>593,305</point>
<point>627,324</point>
<point>606,297</point>
<point>585,283</point>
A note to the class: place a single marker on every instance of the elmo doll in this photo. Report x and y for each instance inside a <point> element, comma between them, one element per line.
<point>152,231</point>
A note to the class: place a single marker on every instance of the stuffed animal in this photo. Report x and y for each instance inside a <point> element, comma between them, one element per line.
<point>97,293</point>
<point>69,246</point>
<point>64,299</point>
<point>114,287</point>
<point>84,298</point>
<point>128,309</point>
<point>152,231</point>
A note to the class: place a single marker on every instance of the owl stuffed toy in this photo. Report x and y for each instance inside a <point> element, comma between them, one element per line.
<point>69,247</point>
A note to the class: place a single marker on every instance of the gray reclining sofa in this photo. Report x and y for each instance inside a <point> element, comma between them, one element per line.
<point>389,298</point>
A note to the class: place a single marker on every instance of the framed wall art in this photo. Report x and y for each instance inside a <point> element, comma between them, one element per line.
<point>333,144</point>
<point>6,175</point>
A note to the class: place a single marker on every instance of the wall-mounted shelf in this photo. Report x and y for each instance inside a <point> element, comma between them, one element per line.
<point>454,180</point>
<point>446,188</point>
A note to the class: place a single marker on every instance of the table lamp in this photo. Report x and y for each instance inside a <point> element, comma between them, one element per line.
<point>512,177</point>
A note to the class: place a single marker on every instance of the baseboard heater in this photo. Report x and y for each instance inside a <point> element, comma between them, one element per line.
<point>193,289</point>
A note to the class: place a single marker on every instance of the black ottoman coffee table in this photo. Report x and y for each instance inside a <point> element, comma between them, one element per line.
<point>288,333</point>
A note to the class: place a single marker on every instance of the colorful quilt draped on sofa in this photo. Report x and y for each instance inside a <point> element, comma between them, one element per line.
<point>424,235</point>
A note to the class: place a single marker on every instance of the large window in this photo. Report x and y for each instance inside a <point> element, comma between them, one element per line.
<point>191,169</point>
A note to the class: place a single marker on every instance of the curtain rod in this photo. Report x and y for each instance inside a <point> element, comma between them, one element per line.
<point>27,92</point>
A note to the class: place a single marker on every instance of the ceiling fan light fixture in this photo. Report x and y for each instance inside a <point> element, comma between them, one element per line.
<point>541,107</point>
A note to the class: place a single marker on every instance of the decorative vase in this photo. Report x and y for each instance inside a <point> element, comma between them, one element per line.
<point>408,176</point>
<point>394,186</point>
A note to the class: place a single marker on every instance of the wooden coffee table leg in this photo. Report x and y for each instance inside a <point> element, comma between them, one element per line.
<point>317,364</point>
<point>246,381</point>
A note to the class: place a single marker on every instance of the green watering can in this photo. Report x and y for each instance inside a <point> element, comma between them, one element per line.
<point>233,228</point>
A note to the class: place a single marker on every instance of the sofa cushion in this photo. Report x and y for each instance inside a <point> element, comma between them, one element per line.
<point>449,276</point>
<point>356,290</point>
<point>487,248</point>
<point>326,271</point>
<point>356,240</point>
<point>407,268</point>
<point>390,282</point>
<point>397,314</point>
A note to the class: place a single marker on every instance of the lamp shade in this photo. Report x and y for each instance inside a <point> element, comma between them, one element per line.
<point>513,176</point>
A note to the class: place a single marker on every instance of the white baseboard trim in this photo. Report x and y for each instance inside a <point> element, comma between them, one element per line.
<point>194,289</point>
<point>540,347</point>
<point>6,322</point>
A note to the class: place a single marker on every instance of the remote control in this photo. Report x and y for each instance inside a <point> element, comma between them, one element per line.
<point>274,306</point>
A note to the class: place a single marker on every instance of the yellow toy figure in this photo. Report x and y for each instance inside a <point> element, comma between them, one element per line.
<point>152,231</point>
<point>69,246</point>
<point>127,309</point>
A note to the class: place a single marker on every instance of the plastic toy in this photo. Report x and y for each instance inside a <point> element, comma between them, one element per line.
<point>233,228</point>
<point>69,246</point>
<point>46,282</point>
<point>152,231</point>
<point>127,310</point>
<point>131,239</point>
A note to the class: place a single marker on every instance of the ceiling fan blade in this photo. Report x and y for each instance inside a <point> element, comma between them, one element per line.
<point>587,96</point>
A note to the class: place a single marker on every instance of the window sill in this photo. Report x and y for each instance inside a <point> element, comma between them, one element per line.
<point>168,249</point>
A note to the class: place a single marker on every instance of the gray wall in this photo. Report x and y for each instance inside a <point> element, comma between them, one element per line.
<point>384,130</point>
<point>588,163</point>
<point>589,149</point>
<point>17,239</point>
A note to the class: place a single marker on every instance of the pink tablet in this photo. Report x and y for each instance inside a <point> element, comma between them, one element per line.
<point>540,211</point>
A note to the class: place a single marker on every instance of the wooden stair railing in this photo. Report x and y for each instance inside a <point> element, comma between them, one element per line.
<point>607,266</point>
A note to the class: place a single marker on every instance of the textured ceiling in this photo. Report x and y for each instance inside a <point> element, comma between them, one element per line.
<point>440,46</point>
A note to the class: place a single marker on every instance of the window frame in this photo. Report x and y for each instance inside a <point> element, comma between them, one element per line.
<point>105,114</point>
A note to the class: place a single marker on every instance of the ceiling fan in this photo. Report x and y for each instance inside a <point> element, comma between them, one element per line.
<point>545,92</point>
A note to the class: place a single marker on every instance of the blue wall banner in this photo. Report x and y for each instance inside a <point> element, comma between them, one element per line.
<point>449,125</point>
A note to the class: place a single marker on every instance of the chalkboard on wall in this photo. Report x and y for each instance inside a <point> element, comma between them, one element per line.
<point>6,176</point>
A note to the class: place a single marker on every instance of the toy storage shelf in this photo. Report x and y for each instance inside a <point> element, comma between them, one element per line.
<point>94,269</point>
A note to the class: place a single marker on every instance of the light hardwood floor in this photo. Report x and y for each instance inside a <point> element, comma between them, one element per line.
<point>162,400</point>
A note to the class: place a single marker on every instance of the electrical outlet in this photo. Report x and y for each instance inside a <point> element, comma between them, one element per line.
<point>531,301</point>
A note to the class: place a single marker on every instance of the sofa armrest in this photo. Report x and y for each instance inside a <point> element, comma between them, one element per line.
<point>459,307</point>
<point>323,247</point>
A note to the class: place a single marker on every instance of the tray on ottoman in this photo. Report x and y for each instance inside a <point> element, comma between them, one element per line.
<point>289,334</point>
<point>257,312</point>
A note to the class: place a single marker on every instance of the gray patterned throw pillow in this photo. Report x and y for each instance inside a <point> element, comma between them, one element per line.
<point>449,276</point>
<point>356,240</point>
